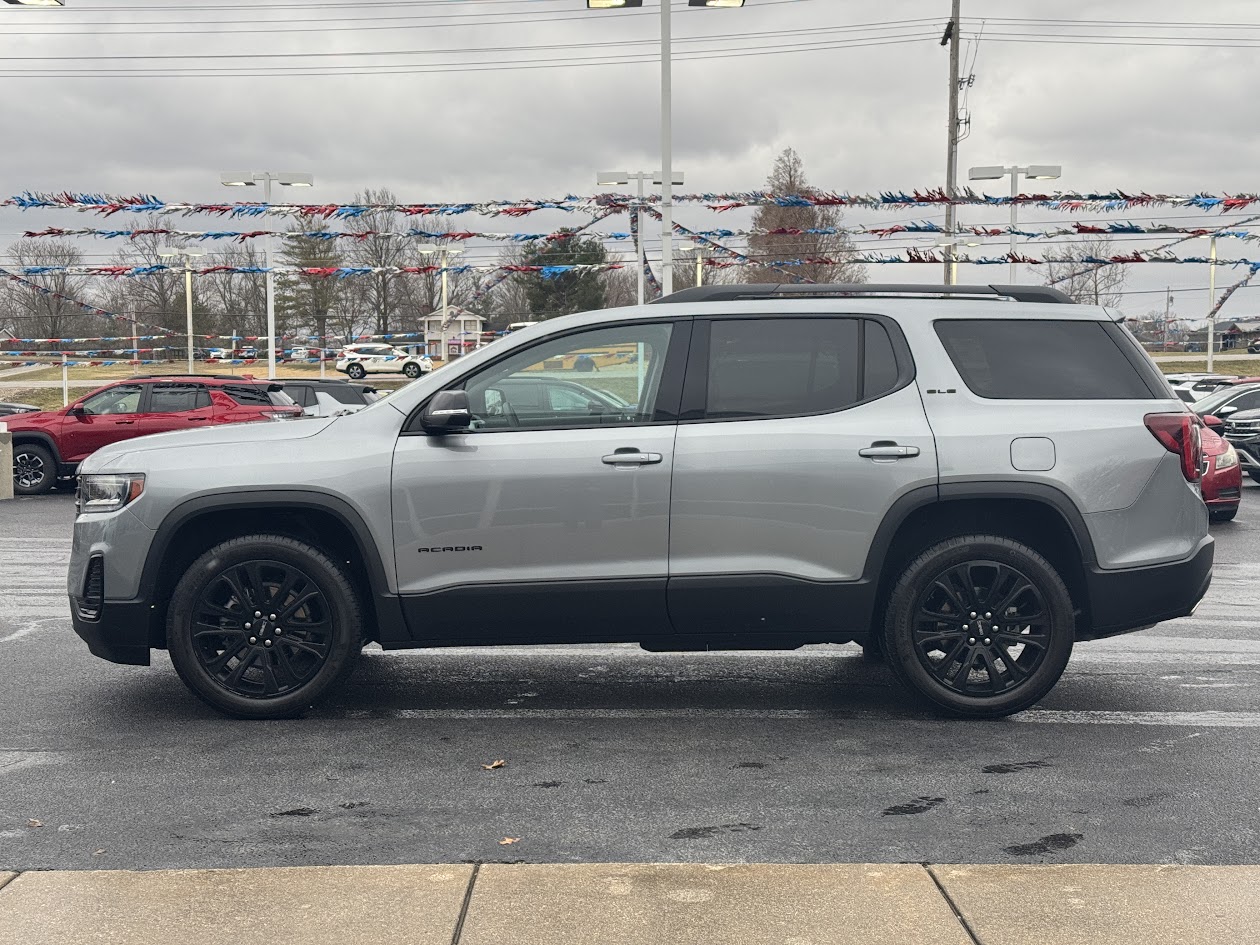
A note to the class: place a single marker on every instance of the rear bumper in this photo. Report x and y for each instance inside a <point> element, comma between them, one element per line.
<point>121,634</point>
<point>1136,598</point>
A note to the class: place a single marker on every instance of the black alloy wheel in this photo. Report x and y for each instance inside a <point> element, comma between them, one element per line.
<point>980,625</point>
<point>981,628</point>
<point>262,626</point>
<point>34,470</point>
<point>412,370</point>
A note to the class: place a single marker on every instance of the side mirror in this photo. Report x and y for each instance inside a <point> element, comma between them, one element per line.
<point>1226,411</point>
<point>76,411</point>
<point>1213,423</point>
<point>447,412</point>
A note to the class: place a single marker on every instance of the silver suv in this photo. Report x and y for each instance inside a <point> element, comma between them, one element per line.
<point>966,481</point>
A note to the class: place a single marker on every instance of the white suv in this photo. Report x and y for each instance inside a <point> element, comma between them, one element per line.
<point>358,361</point>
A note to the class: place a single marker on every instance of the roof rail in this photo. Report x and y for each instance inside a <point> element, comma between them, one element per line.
<point>762,291</point>
<point>186,376</point>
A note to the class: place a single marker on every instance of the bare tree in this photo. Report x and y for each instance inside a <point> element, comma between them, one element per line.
<point>34,314</point>
<point>1088,283</point>
<point>788,178</point>
<point>239,300</point>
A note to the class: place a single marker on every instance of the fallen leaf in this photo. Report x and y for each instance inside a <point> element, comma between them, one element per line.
<point>98,852</point>
<point>34,823</point>
<point>508,840</point>
<point>495,764</point>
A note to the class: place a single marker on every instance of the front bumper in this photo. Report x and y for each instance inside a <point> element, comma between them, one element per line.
<point>1248,447</point>
<point>1136,598</point>
<point>122,632</point>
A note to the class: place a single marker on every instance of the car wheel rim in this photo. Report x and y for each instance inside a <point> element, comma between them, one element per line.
<point>262,629</point>
<point>981,628</point>
<point>28,470</point>
<point>412,371</point>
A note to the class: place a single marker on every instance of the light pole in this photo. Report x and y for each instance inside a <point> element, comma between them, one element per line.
<point>188,256</point>
<point>608,178</point>
<point>701,254</point>
<point>284,179</point>
<point>1032,172</point>
<point>1211,321</point>
<point>447,252</point>
<point>667,129</point>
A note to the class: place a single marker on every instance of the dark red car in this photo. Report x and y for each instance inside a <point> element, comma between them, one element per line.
<point>1222,479</point>
<point>50,444</point>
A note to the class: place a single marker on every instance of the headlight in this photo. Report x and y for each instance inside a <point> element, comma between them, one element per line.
<point>108,492</point>
<point>1227,459</point>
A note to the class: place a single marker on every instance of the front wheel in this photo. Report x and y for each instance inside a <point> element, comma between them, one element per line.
<point>261,627</point>
<point>980,626</point>
<point>34,469</point>
<point>412,370</point>
<point>357,371</point>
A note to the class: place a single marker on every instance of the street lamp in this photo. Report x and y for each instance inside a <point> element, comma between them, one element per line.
<point>1032,172</point>
<point>447,252</point>
<point>189,256</point>
<point>667,169</point>
<point>1211,338</point>
<point>284,179</point>
<point>610,178</point>
<point>701,254</point>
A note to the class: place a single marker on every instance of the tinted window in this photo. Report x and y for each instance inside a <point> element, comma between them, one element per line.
<point>345,394</point>
<point>125,398</point>
<point>1041,360</point>
<point>1248,401</point>
<point>782,366</point>
<point>258,396</point>
<point>173,398</point>
<point>613,373</point>
<point>881,363</point>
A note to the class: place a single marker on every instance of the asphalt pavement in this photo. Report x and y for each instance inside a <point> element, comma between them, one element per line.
<point>1146,752</point>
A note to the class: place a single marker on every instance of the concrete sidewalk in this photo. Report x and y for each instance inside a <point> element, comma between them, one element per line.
<point>559,904</point>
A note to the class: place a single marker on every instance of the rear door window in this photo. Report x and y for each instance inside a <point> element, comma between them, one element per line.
<point>176,398</point>
<point>1041,359</point>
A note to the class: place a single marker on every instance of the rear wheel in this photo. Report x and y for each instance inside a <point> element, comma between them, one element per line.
<point>356,371</point>
<point>980,626</point>
<point>412,370</point>
<point>34,469</point>
<point>261,627</point>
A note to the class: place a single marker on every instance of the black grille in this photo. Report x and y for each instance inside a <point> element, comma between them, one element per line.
<point>93,590</point>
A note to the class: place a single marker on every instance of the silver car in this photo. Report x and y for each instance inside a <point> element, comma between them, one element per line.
<point>965,481</point>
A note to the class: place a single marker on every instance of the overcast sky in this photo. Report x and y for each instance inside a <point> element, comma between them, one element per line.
<point>1156,118</point>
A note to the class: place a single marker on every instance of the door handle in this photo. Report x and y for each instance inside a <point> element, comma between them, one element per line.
<point>121,422</point>
<point>197,419</point>
<point>631,457</point>
<point>883,450</point>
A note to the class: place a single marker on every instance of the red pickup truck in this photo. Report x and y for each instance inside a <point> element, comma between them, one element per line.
<point>50,444</point>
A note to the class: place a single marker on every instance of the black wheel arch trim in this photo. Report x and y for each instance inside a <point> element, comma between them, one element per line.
<point>923,496</point>
<point>384,605</point>
<point>42,439</point>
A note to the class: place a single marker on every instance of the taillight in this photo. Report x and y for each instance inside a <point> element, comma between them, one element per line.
<point>1179,432</point>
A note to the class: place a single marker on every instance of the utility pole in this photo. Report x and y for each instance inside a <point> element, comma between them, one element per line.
<point>1167,317</point>
<point>951,163</point>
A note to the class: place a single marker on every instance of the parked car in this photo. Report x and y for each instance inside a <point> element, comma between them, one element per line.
<point>1242,429</point>
<point>50,444</point>
<point>1222,477</point>
<point>794,465</point>
<point>329,397</point>
<point>1228,399</point>
<point>1193,387</point>
<point>358,361</point>
<point>10,409</point>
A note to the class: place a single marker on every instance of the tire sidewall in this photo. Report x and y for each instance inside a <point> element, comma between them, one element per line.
<point>356,371</point>
<point>337,590</point>
<point>50,469</point>
<point>898,625</point>
<point>412,371</point>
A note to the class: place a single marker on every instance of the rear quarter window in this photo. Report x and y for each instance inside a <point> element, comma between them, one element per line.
<point>1041,359</point>
<point>257,395</point>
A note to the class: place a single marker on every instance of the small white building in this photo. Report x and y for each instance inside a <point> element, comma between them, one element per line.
<point>453,336</point>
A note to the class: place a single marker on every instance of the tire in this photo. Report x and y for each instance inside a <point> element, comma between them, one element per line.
<point>412,370</point>
<point>284,670</point>
<point>945,661</point>
<point>34,469</point>
<point>1224,515</point>
<point>1254,474</point>
<point>356,371</point>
